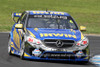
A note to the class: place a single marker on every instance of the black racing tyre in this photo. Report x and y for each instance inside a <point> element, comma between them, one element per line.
<point>22,50</point>
<point>9,46</point>
<point>85,62</point>
<point>82,62</point>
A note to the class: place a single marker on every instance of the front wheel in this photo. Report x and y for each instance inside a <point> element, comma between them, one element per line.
<point>82,62</point>
<point>22,51</point>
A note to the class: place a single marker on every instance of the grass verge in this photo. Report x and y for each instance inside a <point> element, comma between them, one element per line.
<point>85,12</point>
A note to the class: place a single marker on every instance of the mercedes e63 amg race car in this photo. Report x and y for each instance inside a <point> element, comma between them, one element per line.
<point>47,35</point>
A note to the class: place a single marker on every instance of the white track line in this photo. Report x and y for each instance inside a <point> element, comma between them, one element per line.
<point>4,32</point>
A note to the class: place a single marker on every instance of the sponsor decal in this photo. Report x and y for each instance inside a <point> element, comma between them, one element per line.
<point>36,52</point>
<point>79,54</point>
<point>57,35</point>
<point>57,13</point>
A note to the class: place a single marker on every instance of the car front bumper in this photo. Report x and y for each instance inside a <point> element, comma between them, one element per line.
<point>73,55</point>
<point>69,56</point>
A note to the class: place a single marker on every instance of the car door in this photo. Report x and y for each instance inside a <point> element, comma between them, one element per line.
<point>18,33</point>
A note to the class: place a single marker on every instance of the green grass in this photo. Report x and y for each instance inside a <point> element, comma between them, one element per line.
<point>85,12</point>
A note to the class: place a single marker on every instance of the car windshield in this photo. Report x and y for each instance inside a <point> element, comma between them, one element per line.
<point>51,22</point>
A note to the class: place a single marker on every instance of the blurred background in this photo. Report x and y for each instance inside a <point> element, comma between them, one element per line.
<point>85,12</point>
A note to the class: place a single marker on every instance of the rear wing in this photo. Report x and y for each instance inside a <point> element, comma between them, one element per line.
<point>16,15</point>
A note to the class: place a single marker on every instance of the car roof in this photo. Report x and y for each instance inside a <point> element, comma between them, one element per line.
<point>48,13</point>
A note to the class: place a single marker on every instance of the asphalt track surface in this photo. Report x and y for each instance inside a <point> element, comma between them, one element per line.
<point>15,61</point>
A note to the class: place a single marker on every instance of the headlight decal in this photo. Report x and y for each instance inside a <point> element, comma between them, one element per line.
<point>82,42</point>
<point>33,40</point>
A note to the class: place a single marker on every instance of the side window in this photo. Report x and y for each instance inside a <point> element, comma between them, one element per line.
<point>22,19</point>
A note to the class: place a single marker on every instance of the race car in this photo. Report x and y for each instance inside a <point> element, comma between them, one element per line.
<point>48,35</point>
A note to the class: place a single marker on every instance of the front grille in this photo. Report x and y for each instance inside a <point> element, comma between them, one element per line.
<point>56,43</point>
<point>58,55</point>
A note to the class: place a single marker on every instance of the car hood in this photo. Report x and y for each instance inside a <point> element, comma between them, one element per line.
<point>68,34</point>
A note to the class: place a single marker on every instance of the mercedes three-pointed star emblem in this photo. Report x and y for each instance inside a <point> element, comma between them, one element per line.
<point>59,43</point>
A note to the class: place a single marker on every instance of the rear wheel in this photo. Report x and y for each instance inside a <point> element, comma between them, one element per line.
<point>9,46</point>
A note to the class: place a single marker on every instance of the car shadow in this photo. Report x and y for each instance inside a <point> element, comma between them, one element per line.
<point>57,62</point>
<point>61,62</point>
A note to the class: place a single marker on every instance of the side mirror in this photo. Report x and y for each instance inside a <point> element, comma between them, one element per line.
<point>82,28</point>
<point>19,26</point>
<point>16,15</point>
